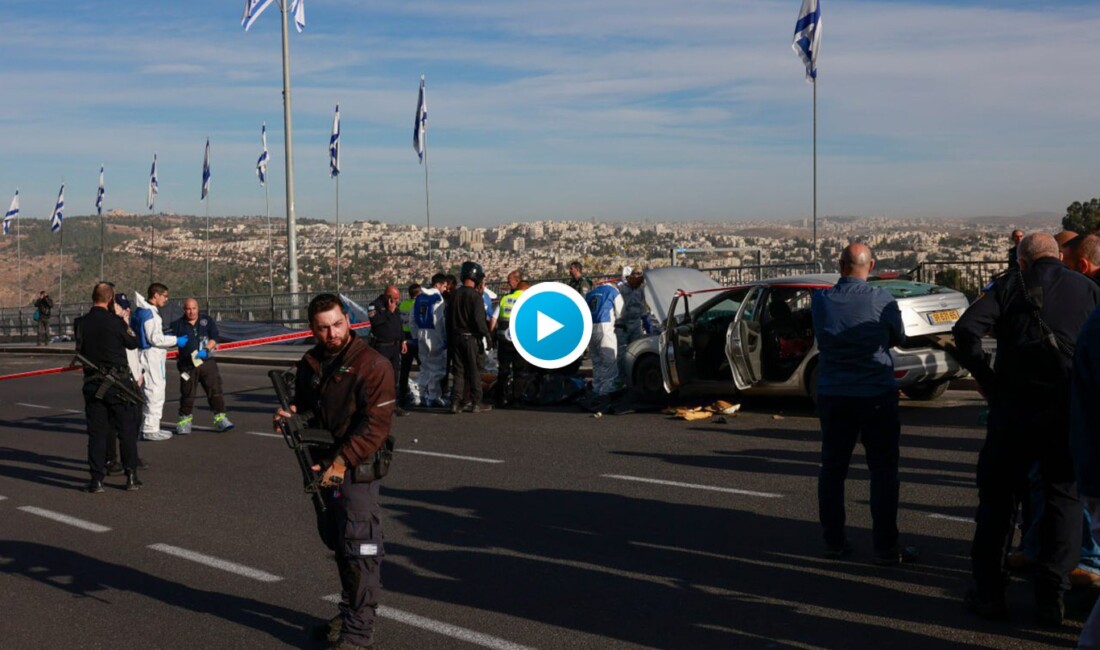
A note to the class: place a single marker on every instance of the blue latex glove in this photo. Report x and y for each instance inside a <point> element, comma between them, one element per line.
<point>203,354</point>
<point>181,341</point>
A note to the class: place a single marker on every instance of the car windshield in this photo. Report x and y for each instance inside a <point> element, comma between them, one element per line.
<point>907,288</point>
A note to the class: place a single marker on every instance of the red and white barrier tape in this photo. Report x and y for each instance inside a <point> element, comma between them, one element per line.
<point>235,345</point>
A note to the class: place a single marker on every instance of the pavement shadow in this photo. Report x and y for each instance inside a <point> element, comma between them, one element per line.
<point>86,576</point>
<point>667,575</point>
<point>12,463</point>
<point>69,423</point>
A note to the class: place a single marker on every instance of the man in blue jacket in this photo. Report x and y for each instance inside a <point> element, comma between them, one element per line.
<point>856,325</point>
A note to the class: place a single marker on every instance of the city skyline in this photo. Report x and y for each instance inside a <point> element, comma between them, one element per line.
<point>622,111</point>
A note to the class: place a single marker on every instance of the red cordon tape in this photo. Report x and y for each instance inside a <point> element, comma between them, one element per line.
<point>235,345</point>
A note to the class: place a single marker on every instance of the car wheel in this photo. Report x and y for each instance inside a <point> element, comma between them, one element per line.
<point>926,392</point>
<point>648,380</point>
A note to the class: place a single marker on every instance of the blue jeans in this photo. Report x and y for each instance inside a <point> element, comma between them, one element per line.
<point>1029,543</point>
<point>874,422</point>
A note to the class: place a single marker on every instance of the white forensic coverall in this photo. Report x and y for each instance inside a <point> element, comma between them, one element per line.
<point>430,330</point>
<point>606,304</point>
<point>153,361</point>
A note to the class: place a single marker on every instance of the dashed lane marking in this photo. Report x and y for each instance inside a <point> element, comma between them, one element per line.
<point>694,486</point>
<point>965,520</point>
<point>3,498</point>
<point>455,457</point>
<point>65,519</point>
<point>34,406</point>
<point>216,563</point>
<point>265,434</point>
<point>439,627</point>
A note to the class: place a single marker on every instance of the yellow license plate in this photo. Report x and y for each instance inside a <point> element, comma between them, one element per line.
<point>944,316</point>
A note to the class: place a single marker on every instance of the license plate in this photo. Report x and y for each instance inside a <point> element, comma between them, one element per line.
<point>944,316</point>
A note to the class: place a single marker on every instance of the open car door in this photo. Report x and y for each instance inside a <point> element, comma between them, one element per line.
<point>676,347</point>
<point>744,341</point>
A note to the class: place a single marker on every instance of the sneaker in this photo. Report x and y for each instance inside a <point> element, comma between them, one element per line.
<point>456,408</point>
<point>95,486</point>
<point>897,555</point>
<point>222,423</point>
<point>156,436</point>
<point>183,427</point>
<point>838,552</point>
<point>329,631</point>
<point>113,468</point>
<point>993,609</point>
<point>480,408</point>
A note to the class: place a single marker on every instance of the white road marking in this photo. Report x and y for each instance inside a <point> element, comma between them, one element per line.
<point>435,453</point>
<point>34,406</point>
<point>965,520</point>
<point>217,563</point>
<point>3,498</point>
<point>440,627</point>
<point>72,410</point>
<point>712,488</point>
<point>264,434</point>
<point>65,519</point>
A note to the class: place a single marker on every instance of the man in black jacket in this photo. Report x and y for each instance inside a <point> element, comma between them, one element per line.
<point>44,307</point>
<point>387,334</point>
<point>1036,313</point>
<point>467,332</point>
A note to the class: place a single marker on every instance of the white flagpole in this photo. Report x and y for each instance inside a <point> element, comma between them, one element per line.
<point>207,247</point>
<point>270,248</point>
<point>427,199</point>
<point>291,235</point>
<point>60,267</point>
<point>814,258</point>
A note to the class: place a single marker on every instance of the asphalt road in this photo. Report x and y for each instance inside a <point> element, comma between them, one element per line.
<point>511,529</point>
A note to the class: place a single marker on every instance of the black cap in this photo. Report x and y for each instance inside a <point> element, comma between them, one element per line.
<point>122,301</point>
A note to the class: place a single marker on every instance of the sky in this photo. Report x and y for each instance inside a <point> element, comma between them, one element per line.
<point>615,110</point>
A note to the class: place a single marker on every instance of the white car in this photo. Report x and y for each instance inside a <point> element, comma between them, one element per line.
<point>758,337</point>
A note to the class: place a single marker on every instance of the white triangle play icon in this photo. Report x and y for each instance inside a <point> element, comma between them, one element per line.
<point>545,326</point>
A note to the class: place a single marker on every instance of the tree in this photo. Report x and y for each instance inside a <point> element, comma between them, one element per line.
<point>951,278</point>
<point>1081,217</point>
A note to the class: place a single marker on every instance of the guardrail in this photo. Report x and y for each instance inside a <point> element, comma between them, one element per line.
<point>17,323</point>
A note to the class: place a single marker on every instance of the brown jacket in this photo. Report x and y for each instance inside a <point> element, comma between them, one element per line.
<point>354,399</point>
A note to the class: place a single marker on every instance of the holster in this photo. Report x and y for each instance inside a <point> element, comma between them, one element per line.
<point>378,466</point>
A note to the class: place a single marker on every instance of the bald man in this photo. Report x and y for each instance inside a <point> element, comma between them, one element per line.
<point>198,368</point>
<point>387,333</point>
<point>1036,313</point>
<point>1082,254</point>
<point>855,325</point>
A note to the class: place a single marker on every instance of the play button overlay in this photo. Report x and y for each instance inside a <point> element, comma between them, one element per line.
<point>551,325</point>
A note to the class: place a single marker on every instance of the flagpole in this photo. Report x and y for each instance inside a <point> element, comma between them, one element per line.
<point>427,199</point>
<point>207,247</point>
<point>339,251</point>
<point>19,251</point>
<point>270,248</point>
<point>291,235</point>
<point>60,270</point>
<point>815,169</point>
<point>151,244</point>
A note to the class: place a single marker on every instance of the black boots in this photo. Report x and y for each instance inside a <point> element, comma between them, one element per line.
<point>95,486</point>
<point>132,481</point>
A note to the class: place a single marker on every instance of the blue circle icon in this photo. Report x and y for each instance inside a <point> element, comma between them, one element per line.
<point>551,325</point>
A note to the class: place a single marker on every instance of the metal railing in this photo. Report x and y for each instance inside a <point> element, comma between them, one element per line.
<point>966,276</point>
<point>17,323</point>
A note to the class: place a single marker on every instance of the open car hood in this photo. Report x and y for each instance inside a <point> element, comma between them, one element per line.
<point>663,283</point>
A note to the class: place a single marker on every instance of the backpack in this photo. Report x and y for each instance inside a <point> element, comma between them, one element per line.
<point>37,315</point>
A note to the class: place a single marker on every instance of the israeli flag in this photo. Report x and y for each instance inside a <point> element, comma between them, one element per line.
<point>298,8</point>
<point>261,164</point>
<point>252,11</point>
<point>807,36</point>
<point>99,194</point>
<point>421,126</point>
<point>12,213</point>
<point>56,218</point>
<point>334,146</point>
<point>206,171</point>
<point>152,195</point>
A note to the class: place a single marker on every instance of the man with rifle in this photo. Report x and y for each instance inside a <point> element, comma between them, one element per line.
<point>110,393</point>
<point>347,388</point>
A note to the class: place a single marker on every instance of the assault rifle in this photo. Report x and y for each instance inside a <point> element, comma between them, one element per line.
<point>310,446</point>
<point>109,379</point>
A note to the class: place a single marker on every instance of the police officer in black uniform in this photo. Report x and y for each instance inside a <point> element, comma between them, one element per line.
<point>387,334</point>
<point>104,339</point>
<point>467,332</point>
<point>1036,313</point>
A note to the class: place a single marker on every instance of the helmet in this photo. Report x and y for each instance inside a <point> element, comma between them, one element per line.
<point>471,271</point>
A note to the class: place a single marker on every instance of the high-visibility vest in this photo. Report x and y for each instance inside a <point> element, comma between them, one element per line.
<point>405,308</point>
<point>507,303</point>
